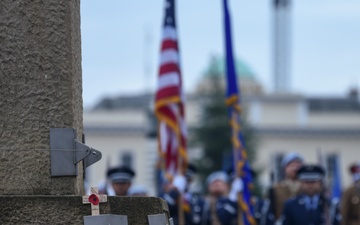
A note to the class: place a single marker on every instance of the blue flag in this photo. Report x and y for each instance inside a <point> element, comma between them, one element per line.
<point>336,181</point>
<point>241,164</point>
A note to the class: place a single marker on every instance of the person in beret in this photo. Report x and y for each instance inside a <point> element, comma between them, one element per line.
<point>350,201</point>
<point>310,207</point>
<point>119,180</point>
<point>284,190</point>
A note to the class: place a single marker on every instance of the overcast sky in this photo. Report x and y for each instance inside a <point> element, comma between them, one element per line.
<point>121,39</point>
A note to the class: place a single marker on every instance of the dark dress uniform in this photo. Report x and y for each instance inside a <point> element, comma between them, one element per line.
<point>307,209</point>
<point>227,211</point>
<point>193,206</point>
<point>298,211</point>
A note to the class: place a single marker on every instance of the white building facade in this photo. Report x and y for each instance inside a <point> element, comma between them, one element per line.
<point>309,126</point>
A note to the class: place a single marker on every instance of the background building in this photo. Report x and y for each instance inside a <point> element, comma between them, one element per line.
<point>320,128</point>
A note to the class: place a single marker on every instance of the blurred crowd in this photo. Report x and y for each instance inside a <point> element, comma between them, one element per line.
<point>301,198</point>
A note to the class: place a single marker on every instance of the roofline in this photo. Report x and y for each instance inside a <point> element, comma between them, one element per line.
<point>309,132</point>
<point>275,132</point>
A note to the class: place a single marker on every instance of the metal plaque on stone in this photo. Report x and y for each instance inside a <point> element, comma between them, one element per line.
<point>106,219</point>
<point>157,219</point>
<point>66,152</point>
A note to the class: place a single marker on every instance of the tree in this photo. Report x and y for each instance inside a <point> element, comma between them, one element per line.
<point>214,132</point>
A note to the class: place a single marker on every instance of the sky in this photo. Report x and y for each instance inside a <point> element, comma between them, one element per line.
<point>121,41</point>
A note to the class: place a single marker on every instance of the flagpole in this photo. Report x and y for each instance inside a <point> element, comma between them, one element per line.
<point>180,172</point>
<point>240,218</point>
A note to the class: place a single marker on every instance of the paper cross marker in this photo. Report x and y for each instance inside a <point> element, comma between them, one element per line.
<point>94,199</point>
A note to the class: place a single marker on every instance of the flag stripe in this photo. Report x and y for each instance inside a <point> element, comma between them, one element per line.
<point>169,67</point>
<point>169,56</point>
<point>169,44</point>
<point>168,79</point>
<point>167,95</point>
<point>169,33</point>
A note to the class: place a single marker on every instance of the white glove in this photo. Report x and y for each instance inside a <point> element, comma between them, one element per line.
<point>236,187</point>
<point>180,183</point>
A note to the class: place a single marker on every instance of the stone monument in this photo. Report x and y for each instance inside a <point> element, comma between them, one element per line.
<point>41,89</point>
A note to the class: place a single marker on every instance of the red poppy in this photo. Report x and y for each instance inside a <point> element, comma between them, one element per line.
<point>94,199</point>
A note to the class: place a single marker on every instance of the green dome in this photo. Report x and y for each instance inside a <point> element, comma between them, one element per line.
<point>217,68</point>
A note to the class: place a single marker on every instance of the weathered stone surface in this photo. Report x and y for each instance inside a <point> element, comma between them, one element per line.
<point>70,210</point>
<point>40,87</point>
<point>137,208</point>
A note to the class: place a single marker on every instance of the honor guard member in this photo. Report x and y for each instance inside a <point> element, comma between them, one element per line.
<point>310,207</point>
<point>119,181</point>
<point>350,201</point>
<point>211,209</point>
<point>283,191</point>
<point>220,207</point>
<point>192,204</point>
<point>227,213</point>
<point>227,208</point>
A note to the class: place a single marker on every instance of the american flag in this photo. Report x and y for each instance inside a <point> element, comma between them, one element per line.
<point>169,99</point>
<point>241,163</point>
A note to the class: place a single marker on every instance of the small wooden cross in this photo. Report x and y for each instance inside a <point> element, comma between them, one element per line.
<point>94,199</point>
